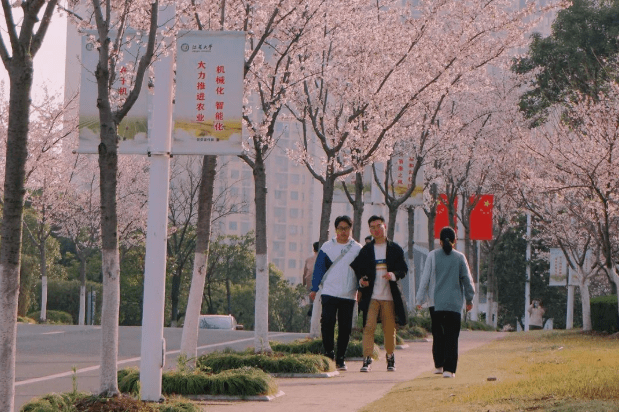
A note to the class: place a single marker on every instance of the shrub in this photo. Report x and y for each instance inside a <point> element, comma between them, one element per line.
<point>64,295</point>
<point>270,363</point>
<point>421,319</point>
<point>604,316</point>
<point>476,325</point>
<point>57,317</point>
<point>50,403</point>
<point>25,319</point>
<point>236,382</point>
<point>412,332</point>
<point>354,350</point>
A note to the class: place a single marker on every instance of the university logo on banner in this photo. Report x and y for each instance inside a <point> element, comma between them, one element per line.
<point>133,129</point>
<point>480,218</point>
<point>209,93</point>
<point>442,215</point>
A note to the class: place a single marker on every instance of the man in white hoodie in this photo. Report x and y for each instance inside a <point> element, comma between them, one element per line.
<point>339,288</point>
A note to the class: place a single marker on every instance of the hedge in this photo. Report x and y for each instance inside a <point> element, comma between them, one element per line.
<point>604,317</point>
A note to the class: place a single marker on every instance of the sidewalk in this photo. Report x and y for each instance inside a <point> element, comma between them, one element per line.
<point>352,390</point>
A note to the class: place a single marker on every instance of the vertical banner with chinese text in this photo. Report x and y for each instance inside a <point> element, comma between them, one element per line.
<point>133,130</point>
<point>209,93</point>
<point>558,268</point>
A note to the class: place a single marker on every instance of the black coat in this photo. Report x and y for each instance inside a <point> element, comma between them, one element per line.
<point>365,265</point>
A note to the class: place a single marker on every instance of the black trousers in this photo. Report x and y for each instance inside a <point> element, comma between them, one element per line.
<point>340,310</point>
<point>445,334</point>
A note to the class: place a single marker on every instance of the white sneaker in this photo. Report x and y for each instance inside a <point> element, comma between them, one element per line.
<point>437,371</point>
<point>449,375</point>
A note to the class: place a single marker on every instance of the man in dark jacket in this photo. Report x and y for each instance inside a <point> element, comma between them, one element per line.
<point>378,267</point>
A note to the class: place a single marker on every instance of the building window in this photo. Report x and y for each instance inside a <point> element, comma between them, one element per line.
<point>292,264</point>
<point>232,226</point>
<point>244,228</point>
<point>294,195</point>
<point>292,229</point>
<point>279,194</point>
<point>294,213</point>
<point>292,247</point>
<point>294,179</point>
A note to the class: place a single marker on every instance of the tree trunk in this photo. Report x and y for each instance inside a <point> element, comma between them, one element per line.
<point>431,214</point>
<point>393,214</point>
<point>261,316</point>
<point>174,292</point>
<point>21,71</point>
<point>357,206</point>
<point>585,301</point>
<point>189,339</point>
<point>82,312</point>
<point>229,296</point>
<point>43,316</point>
<point>108,167</point>
<point>412,282</point>
<point>327,204</point>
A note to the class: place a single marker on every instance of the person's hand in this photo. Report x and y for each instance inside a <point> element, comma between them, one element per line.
<point>312,296</point>
<point>418,307</point>
<point>387,276</point>
<point>364,282</point>
<point>469,307</point>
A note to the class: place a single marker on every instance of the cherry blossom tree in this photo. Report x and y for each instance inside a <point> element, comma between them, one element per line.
<point>364,80</point>
<point>24,39</point>
<point>575,157</point>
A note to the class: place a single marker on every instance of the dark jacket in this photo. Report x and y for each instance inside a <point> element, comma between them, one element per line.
<point>365,265</point>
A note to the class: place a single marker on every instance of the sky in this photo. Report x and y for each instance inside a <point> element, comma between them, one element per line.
<point>49,62</point>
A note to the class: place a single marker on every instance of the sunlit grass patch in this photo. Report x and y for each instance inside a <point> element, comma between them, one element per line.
<point>557,370</point>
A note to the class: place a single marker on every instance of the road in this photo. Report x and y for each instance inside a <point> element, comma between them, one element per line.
<point>47,354</point>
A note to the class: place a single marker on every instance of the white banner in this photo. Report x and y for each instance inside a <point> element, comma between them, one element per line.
<point>209,93</point>
<point>133,130</point>
<point>558,268</point>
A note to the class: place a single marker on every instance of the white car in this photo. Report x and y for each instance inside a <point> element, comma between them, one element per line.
<point>219,322</point>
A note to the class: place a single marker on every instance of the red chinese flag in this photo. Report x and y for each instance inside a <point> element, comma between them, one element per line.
<point>481,217</point>
<point>442,215</point>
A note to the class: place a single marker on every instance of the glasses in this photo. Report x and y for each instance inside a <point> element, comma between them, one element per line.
<point>342,229</point>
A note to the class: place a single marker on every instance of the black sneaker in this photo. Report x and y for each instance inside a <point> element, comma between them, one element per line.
<point>366,364</point>
<point>391,363</point>
<point>341,366</point>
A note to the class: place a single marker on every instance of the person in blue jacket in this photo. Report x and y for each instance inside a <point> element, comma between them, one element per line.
<point>446,283</point>
<point>339,289</point>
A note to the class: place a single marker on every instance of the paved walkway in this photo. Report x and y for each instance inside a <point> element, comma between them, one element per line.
<point>352,390</point>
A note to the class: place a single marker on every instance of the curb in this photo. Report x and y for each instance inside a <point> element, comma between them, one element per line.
<point>305,375</point>
<point>259,398</point>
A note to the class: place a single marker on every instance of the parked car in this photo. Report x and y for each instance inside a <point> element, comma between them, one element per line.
<point>219,322</point>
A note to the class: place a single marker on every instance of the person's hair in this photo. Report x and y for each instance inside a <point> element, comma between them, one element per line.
<point>343,218</point>
<point>448,237</point>
<point>315,245</point>
<point>368,238</point>
<point>374,217</point>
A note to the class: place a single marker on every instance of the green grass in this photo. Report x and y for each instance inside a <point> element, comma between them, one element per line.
<point>541,370</point>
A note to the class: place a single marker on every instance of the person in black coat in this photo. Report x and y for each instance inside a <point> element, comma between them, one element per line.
<point>378,268</point>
